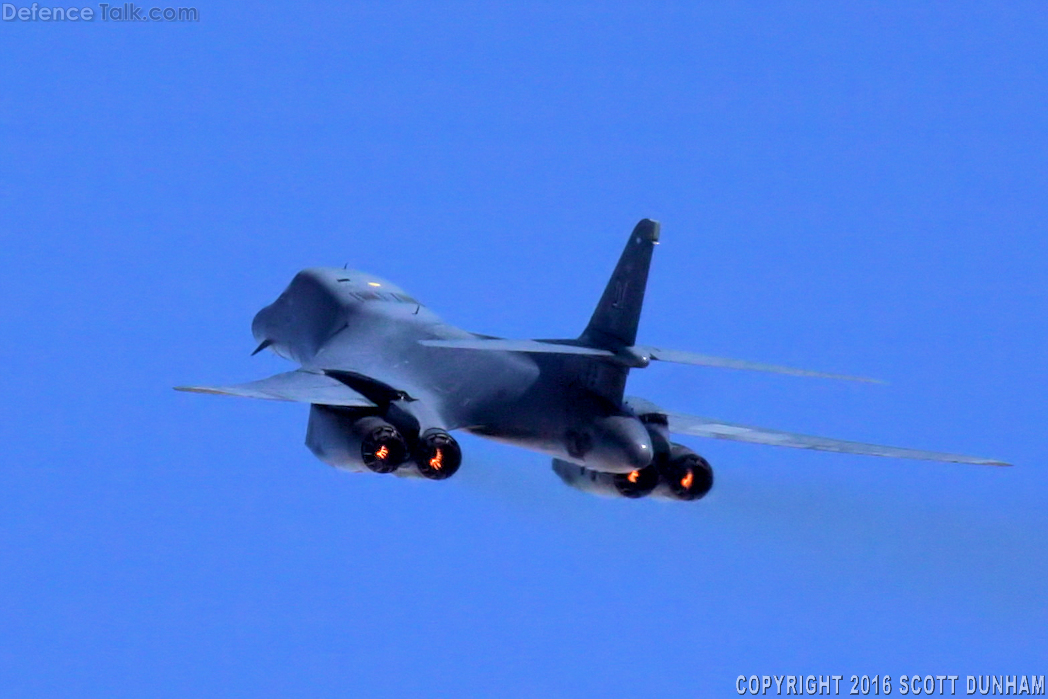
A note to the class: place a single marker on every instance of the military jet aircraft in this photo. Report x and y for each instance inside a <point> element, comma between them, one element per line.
<point>388,381</point>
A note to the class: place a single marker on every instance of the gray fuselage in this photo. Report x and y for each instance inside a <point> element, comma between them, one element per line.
<point>569,407</point>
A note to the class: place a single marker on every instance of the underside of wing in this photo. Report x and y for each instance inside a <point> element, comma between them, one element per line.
<point>705,427</point>
<point>680,357</point>
<point>296,386</point>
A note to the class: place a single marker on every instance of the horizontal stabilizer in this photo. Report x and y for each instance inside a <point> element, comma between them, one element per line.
<point>481,343</point>
<point>679,357</point>
<point>296,386</point>
<point>705,427</point>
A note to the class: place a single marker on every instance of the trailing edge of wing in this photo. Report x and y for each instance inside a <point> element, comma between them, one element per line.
<point>517,346</point>
<point>679,357</point>
<point>705,427</point>
<point>296,386</point>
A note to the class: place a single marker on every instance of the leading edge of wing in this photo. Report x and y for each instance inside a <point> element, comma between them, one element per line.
<point>296,386</point>
<point>681,357</point>
<point>705,427</point>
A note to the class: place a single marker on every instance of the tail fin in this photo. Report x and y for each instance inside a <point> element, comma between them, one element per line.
<point>614,322</point>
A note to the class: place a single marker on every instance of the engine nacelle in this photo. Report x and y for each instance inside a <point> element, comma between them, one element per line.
<point>355,443</point>
<point>437,455</point>
<point>635,484</point>
<point>683,474</point>
<point>677,473</point>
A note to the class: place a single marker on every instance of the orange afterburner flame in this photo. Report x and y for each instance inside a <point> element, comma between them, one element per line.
<point>634,475</point>
<point>382,452</point>
<point>437,462</point>
<point>688,479</point>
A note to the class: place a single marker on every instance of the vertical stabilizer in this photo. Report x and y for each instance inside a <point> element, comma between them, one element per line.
<point>614,322</point>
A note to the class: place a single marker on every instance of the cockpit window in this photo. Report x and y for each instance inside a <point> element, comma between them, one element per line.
<point>383,296</point>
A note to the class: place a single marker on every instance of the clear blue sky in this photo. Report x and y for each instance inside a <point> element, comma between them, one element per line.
<point>858,190</point>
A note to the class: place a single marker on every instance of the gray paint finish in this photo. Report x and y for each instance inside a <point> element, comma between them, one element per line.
<point>364,343</point>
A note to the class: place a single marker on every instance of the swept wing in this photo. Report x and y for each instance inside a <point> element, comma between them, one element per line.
<point>297,386</point>
<point>693,425</point>
<point>680,357</point>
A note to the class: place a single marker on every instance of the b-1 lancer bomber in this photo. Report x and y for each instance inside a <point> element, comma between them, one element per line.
<point>388,382</point>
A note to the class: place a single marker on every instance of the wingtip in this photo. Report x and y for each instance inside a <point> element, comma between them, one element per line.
<point>837,377</point>
<point>198,389</point>
<point>978,461</point>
